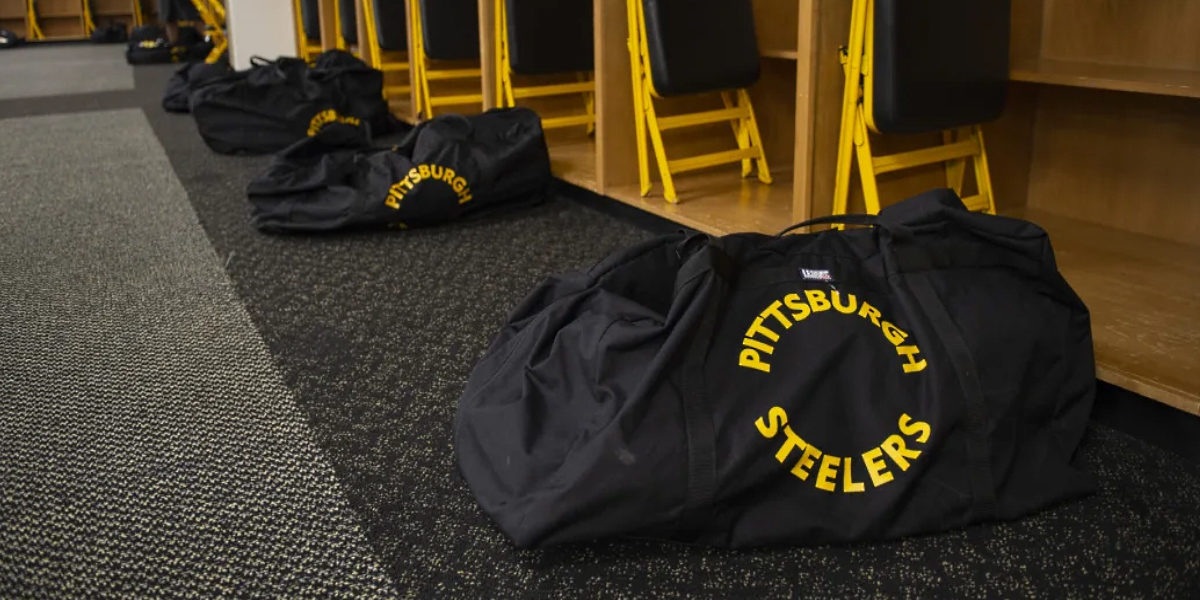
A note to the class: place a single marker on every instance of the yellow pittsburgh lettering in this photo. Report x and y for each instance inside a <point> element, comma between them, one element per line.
<point>817,300</point>
<point>846,309</point>
<point>424,170</point>
<point>751,360</point>
<point>894,334</point>
<point>795,303</point>
<point>773,311</point>
<point>757,327</point>
<point>870,312</point>
<point>911,364</point>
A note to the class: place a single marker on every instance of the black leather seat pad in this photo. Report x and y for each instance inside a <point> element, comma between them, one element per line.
<point>701,45</point>
<point>939,63</point>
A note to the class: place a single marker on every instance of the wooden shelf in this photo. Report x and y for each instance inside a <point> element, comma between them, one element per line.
<point>784,54</point>
<point>573,156</point>
<point>719,201</point>
<point>1146,80</point>
<point>1144,298</point>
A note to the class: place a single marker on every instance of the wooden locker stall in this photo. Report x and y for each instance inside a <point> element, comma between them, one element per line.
<point>14,17</point>
<point>718,199</point>
<point>108,12</point>
<point>572,149</point>
<point>1098,144</point>
<point>61,19</point>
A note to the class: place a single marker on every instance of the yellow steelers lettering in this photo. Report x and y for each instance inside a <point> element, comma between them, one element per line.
<point>895,448</point>
<point>777,417</point>
<point>827,473</point>
<point>876,468</point>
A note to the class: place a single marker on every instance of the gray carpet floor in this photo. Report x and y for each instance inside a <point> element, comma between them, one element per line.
<point>147,443</point>
<point>37,70</point>
<point>374,333</point>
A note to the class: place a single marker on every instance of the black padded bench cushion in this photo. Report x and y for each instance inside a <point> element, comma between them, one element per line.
<point>349,18</point>
<point>701,45</point>
<point>939,64</point>
<point>310,19</point>
<point>550,36</point>
<point>451,29</point>
<point>391,24</point>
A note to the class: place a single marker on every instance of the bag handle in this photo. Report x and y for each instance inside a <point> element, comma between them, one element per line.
<point>852,219</point>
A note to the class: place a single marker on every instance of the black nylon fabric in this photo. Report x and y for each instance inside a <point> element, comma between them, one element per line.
<point>446,168</point>
<point>275,104</point>
<point>191,77</point>
<point>925,374</point>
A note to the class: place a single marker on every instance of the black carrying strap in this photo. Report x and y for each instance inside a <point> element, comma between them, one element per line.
<point>983,487</point>
<point>697,414</point>
<point>869,220</point>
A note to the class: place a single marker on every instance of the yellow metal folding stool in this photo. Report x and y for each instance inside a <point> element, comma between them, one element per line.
<point>308,29</point>
<point>444,30</point>
<point>902,79</point>
<point>721,56</point>
<point>345,19</point>
<point>556,38</point>
<point>31,17</point>
<point>212,13</point>
<point>387,43</point>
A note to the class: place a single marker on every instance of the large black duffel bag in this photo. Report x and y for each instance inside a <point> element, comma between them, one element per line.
<point>191,77</point>
<point>930,372</point>
<point>280,102</point>
<point>446,168</point>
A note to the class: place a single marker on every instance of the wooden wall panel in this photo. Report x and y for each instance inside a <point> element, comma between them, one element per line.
<point>1153,33</point>
<point>776,25</point>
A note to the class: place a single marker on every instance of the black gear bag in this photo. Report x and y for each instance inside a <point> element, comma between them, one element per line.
<point>926,373</point>
<point>191,77</point>
<point>446,168</point>
<point>277,103</point>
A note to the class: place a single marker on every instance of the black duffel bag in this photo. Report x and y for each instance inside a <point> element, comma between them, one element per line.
<point>148,45</point>
<point>446,168</point>
<point>927,373</point>
<point>277,103</point>
<point>191,77</point>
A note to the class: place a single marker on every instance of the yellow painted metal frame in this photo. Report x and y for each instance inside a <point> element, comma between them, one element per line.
<point>374,55</point>
<point>738,112</point>
<point>958,145</point>
<point>423,73</point>
<point>306,49</point>
<point>35,30</point>
<point>507,93</point>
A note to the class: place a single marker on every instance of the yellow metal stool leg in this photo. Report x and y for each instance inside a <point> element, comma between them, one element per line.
<point>866,165</point>
<point>983,176</point>
<point>851,103</point>
<point>764,171</point>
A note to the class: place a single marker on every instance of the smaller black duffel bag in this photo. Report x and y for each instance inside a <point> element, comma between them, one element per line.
<point>148,45</point>
<point>446,168</point>
<point>9,39</point>
<point>927,373</point>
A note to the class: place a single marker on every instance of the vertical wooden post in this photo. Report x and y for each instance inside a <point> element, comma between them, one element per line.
<point>807,56</point>
<point>328,15</point>
<point>616,146</point>
<point>487,52</point>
